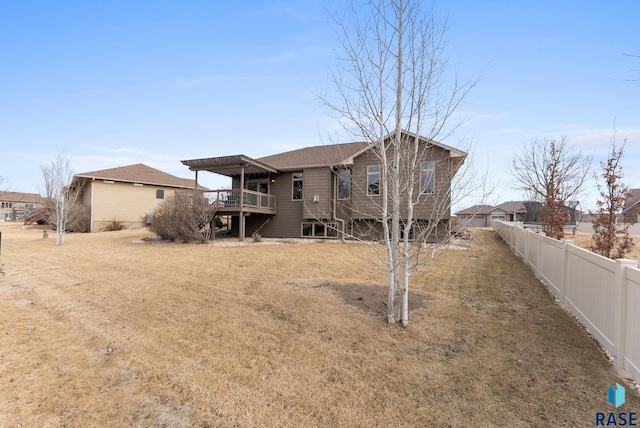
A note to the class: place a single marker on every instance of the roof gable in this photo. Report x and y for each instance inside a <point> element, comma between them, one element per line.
<point>339,154</point>
<point>21,197</point>
<point>139,173</point>
<point>476,210</point>
<point>317,156</point>
<point>512,207</point>
<point>632,200</point>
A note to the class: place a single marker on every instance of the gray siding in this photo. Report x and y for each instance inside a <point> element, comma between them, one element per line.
<point>321,181</point>
<point>429,206</point>
<point>317,182</point>
<point>286,223</point>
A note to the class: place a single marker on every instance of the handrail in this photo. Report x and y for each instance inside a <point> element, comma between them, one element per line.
<point>227,198</point>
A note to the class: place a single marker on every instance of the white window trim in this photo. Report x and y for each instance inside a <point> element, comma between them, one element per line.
<point>313,224</point>
<point>370,174</point>
<point>293,180</point>
<point>426,170</point>
<point>348,180</point>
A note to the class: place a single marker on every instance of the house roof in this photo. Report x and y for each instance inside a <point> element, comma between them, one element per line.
<point>139,173</point>
<point>508,207</point>
<point>229,165</point>
<point>512,207</point>
<point>631,201</point>
<point>327,155</point>
<point>308,157</point>
<point>476,210</point>
<point>21,197</point>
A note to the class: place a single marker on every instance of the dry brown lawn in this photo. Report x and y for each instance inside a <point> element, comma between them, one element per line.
<point>584,240</point>
<point>108,330</point>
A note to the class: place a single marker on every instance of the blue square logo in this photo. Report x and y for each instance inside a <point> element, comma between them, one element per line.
<point>616,395</point>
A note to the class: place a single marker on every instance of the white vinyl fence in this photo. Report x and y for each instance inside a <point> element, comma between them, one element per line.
<point>603,293</point>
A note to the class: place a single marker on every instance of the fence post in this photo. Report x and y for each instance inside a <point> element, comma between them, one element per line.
<point>621,312</point>
<point>565,272</point>
<point>526,246</point>
<point>539,262</point>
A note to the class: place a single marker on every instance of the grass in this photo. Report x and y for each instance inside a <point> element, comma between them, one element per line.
<point>584,240</point>
<point>108,330</point>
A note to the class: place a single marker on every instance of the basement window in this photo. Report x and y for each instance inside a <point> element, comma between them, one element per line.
<point>318,229</point>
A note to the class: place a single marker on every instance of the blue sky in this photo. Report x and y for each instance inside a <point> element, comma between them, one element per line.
<point>114,83</point>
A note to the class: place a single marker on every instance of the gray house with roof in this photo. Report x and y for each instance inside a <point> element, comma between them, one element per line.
<point>484,215</point>
<point>631,210</point>
<point>328,191</point>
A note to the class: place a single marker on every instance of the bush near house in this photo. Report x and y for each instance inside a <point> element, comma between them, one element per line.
<point>184,217</point>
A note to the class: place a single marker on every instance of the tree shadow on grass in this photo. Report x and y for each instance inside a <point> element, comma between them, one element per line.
<point>372,299</point>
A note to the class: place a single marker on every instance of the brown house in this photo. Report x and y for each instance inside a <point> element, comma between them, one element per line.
<point>631,210</point>
<point>15,205</point>
<point>325,191</point>
<point>127,194</point>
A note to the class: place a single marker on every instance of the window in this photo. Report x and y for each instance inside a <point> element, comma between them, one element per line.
<point>296,192</point>
<point>373,180</point>
<point>319,230</point>
<point>159,193</point>
<point>344,184</point>
<point>427,177</point>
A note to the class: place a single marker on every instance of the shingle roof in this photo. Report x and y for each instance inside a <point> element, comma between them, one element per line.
<point>476,210</point>
<point>328,155</point>
<point>139,173</point>
<point>21,197</point>
<point>632,201</point>
<point>512,206</point>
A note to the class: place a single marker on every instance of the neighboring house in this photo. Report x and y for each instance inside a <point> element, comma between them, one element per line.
<point>484,215</point>
<point>323,191</point>
<point>15,205</point>
<point>631,210</point>
<point>127,194</point>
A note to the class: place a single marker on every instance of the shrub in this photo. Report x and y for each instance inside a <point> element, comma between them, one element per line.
<point>185,217</point>
<point>218,222</point>
<point>78,218</point>
<point>114,225</point>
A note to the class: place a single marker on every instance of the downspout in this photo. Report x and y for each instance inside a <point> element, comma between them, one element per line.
<point>91,210</point>
<point>335,205</point>
<point>241,226</point>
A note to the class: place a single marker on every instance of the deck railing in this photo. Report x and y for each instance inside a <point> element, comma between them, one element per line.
<point>230,199</point>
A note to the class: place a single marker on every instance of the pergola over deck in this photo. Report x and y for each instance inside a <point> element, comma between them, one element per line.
<point>237,201</point>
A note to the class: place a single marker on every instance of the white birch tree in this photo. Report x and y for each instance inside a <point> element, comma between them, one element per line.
<point>60,194</point>
<point>393,86</point>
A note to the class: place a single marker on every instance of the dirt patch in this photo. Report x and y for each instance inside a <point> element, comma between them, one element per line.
<point>372,299</point>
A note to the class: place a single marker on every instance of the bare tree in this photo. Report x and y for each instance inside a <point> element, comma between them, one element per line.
<point>610,237</point>
<point>60,192</point>
<point>394,93</point>
<point>554,172</point>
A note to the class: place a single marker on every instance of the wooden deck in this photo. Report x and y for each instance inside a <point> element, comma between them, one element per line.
<point>235,201</point>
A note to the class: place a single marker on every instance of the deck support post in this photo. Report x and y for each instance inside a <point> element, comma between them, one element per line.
<point>241,196</point>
